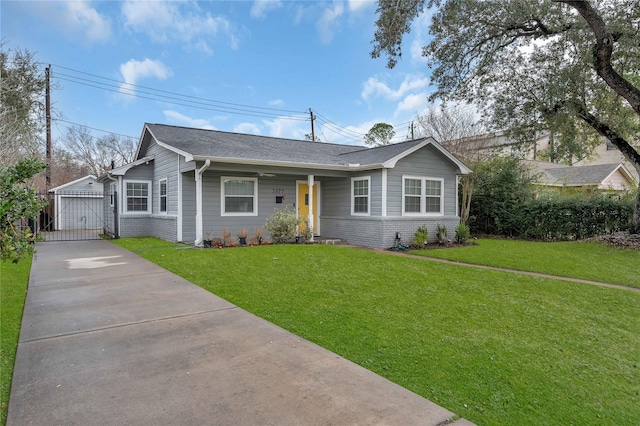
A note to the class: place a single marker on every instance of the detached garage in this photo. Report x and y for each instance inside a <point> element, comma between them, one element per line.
<point>78,205</point>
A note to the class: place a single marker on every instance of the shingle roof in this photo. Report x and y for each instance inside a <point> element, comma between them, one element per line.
<point>201,143</point>
<point>556,174</point>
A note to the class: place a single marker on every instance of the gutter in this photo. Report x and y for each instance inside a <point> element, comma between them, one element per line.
<point>199,216</point>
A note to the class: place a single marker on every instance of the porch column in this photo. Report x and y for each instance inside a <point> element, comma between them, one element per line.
<point>199,218</point>
<point>311,212</point>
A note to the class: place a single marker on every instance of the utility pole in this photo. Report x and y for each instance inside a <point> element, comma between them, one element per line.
<point>412,138</point>
<point>313,134</point>
<point>48,120</point>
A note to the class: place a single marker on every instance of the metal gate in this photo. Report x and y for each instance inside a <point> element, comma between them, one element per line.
<point>75,216</point>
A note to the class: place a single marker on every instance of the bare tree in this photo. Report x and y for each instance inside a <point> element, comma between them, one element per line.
<point>455,128</point>
<point>96,154</point>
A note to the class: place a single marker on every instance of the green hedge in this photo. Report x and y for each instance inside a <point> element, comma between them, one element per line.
<point>557,217</point>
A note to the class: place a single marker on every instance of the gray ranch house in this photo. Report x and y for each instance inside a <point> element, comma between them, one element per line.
<point>187,183</point>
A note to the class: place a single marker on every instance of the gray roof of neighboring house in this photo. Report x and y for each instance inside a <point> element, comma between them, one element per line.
<point>575,175</point>
<point>202,144</point>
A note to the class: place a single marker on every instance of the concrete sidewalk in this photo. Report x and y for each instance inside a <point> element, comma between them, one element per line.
<point>109,338</point>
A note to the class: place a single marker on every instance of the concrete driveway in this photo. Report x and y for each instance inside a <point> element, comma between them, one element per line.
<point>109,338</point>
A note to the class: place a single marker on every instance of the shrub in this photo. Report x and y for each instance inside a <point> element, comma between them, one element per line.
<point>421,236</point>
<point>503,185</point>
<point>462,233</point>
<point>282,225</point>
<point>307,233</point>
<point>441,233</point>
<point>555,216</point>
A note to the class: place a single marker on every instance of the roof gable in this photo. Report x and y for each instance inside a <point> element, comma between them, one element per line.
<point>68,185</point>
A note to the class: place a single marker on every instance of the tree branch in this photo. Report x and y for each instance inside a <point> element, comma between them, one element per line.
<point>603,51</point>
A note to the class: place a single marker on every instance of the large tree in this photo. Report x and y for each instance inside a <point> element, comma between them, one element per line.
<point>22,84</point>
<point>380,134</point>
<point>533,65</point>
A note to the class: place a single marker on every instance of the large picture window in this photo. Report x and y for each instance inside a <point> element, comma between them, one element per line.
<point>360,198</point>
<point>162,193</point>
<point>422,196</point>
<point>239,196</point>
<point>138,196</point>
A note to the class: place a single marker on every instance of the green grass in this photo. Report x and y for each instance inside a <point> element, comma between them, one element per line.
<point>14,279</point>
<point>586,260</point>
<point>496,348</point>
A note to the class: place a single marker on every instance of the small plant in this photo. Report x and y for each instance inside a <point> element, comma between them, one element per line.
<point>242,236</point>
<point>421,236</point>
<point>462,233</point>
<point>441,233</point>
<point>307,233</point>
<point>282,225</point>
<point>258,234</point>
<point>227,239</point>
<point>206,242</point>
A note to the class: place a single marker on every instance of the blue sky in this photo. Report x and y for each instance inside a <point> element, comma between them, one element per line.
<point>239,66</point>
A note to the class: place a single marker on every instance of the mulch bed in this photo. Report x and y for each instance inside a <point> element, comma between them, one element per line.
<point>621,239</point>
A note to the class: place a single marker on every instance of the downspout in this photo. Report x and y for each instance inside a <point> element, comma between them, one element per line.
<point>199,173</point>
<point>116,205</point>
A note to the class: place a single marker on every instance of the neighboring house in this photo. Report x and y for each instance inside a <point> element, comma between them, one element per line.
<point>614,177</point>
<point>77,205</point>
<point>187,182</point>
<point>498,144</point>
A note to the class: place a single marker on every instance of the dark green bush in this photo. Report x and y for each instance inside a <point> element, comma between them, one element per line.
<point>561,217</point>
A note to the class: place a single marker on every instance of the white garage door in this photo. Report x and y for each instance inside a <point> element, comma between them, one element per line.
<point>80,213</point>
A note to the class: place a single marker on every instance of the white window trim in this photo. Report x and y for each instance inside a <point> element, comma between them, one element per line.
<point>353,180</point>
<point>166,196</point>
<point>423,196</point>
<point>149,196</point>
<point>255,196</point>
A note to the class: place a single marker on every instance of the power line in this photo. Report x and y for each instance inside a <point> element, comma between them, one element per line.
<point>92,128</point>
<point>277,110</point>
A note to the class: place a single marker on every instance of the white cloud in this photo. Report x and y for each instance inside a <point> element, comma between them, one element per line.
<point>249,128</point>
<point>276,102</point>
<point>355,5</point>
<point>328,21</point>
<point>421,35</point>
<point>283,127</point>
<point>413,102</point>
<point>77,20</point>
<point>176,117</point>
<point>134,70</point>
<point>373,87</point>
<point>261,7</point>
<point>182,21</point>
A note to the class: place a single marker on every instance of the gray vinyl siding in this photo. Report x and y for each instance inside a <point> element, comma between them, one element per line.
<point>427,162</point>
<point>188,207</point>
<point>377,231</point>
<point>268,189</point>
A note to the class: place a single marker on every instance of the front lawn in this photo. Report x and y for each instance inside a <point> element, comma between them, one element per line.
<point>587,260</point>
<point>14,279</point>
<point>496,348</point>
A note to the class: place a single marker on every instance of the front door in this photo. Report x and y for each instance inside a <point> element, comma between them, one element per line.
<point>303,205</point>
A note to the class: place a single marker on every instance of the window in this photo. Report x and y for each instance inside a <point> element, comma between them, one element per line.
<point>138,196</point>
<point>112,194</point>
<point>422,196</point>
<point>163,195</point>
<point>360,200</point>
<point>239,196</point>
